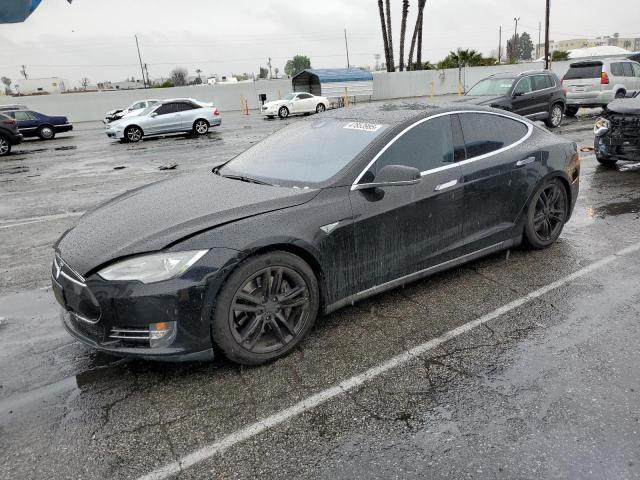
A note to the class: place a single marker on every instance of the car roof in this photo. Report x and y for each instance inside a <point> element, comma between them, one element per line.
<point>399,112</point>
<point>520,74</point>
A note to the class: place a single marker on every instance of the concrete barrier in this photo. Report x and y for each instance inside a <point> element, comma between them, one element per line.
<point>91,106</point>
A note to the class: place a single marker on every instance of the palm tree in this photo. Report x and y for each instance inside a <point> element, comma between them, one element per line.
<point>417,34</point>
<point>403,32</point>
<point>391,64</point>
<point>385,39</point>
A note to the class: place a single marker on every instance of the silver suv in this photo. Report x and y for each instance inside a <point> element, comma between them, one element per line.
<point>595,83</point>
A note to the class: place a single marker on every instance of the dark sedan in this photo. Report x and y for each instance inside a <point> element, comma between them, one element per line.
<point>36,124</point>
<point>321,214</point>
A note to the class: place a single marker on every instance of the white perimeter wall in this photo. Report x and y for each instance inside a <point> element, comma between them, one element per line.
<point>90,106</point>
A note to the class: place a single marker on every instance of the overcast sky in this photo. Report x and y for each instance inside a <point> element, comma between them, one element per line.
<point>94,38</point>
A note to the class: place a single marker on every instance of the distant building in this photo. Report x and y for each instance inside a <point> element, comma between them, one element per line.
<point>35,86</point>
<point>124,85</point>
<point>631,44</point>
<point>212,80</point>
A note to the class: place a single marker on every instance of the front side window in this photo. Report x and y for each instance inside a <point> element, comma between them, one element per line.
<point>305,152</point>
<point>524,86</point>
<point>426,146</point>
<point>166,108</point>
<point>628,69</point>
<point>636,69</point>
<point>487,133</point>
<point>616,69</point>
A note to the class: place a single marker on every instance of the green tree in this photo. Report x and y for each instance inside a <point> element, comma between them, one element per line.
<point>296,65</point>
<point>559,55</point>
<point>7,84</point>
<point>263,73</point>
<point>519,48</point>
<point>179,76</point>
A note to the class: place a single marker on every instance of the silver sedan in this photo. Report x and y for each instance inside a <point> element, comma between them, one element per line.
<point>170,116</point>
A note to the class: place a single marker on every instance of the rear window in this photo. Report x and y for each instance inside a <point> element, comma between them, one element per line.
<point>584,70</point>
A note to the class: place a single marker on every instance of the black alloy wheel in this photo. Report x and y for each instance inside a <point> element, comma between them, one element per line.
<point>320,108</point>
<point>547,214</point>
<point>133,134</point>
<point>283,112</point>
<point>265,308</point>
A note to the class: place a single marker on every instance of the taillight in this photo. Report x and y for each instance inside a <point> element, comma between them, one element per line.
<point>216,112</point>
<point>9,121</point>
<point>604,78</point>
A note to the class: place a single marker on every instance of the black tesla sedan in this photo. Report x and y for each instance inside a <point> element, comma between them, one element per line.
<point>319,215</point>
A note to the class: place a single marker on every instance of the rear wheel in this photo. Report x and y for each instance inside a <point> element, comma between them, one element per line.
<point>547,214</point>
<point>201,127</point>
<point>133,134</point>
<point>5,146</point>
<point>283,112</point>
<point>555,116</point>
<point>265,308</point>
<point>46,132</point>
<point>571,111</point>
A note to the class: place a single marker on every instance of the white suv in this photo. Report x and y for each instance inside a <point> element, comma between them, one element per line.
<point>595,83</point>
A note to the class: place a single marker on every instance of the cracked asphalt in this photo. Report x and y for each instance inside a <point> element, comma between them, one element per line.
<point>550,389</point>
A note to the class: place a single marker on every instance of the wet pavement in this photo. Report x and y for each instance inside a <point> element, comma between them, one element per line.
<point>546,387</point>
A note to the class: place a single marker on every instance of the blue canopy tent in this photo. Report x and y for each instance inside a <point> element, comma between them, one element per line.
<point>332,82</point>
<point>16,11</point>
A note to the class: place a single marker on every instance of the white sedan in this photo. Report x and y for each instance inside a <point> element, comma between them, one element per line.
<point>132,110</point>
<point>294,103</point>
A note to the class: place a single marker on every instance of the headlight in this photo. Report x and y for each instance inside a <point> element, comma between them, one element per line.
<point>154,267</point>
<point>602,126</point>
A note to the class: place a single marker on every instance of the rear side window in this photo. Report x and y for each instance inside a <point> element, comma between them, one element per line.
<point>426,146</point>
<point>584,70</point>
<point>628,70</point>
<point>22,116</point>
<point>183,106</point>
<point>636,69</point>
<point>486,133</point>
<point>616,69</point>
<point>540,82</point>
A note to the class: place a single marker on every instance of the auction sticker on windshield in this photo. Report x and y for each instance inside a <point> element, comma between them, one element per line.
<point>367,127</point>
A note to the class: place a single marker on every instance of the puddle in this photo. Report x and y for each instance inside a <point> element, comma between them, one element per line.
<point>14,170</point>
<point>66,148</point>
<point>618,208</point>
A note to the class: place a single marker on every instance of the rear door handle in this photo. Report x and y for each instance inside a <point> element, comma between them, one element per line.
<point>444,186</point>
<point>525,161</point>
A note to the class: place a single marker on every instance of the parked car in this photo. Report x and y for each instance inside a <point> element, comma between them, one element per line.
<point>618,132</point>
<point>36,124</point>
<point>322,213</point>
<point>134,109</point>
<point>168,116</point>
<point>9,134</point>
<point>595,83</point>
<point>537,95</point>
<point>295,103</point>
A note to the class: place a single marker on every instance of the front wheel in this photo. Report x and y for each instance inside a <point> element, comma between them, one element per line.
<point>283,112</point>
<point>201,127</point>
<point>606,160</point>
<point>265,308</point>
<point>5,146</point>
<point>547,214</point>
<point>555,116</point>
<point>133,134</point>
<point>46,132</point>
<point>320,108</point>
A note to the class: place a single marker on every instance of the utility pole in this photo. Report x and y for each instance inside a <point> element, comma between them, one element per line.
<point>346,45</point>
<point>515,40</point>
<point>24,72</point>
<point>539,37</point>
<point>499,44</point>
<point>140,58</point>
<point>146,70</point>
<point>546,36</point>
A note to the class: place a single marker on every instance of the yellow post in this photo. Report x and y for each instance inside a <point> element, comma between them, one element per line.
<point>432,87</point>
<point>346,97</point>
<point>279,94</point>
<point>459,88</point>
<point>241,102</point>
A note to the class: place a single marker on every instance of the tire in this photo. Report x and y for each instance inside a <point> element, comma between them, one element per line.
<point>283,112</point>
<point>606,160</point>
<point>556,114</point>
<point>133,134</point>
<point>320,108</point>
<point>547,214</point>
<point>46,132</point>
<point>270,117</point>
<point>621,94</point>
<point>252,331</point>
<point>5,146</point>
<point>571,111</point>
<point>200,127</point>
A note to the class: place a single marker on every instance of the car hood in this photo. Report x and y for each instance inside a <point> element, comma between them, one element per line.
<point>153,217</point>
<point>479,100</point>
<point>276,103</point>
<point>627,106</point>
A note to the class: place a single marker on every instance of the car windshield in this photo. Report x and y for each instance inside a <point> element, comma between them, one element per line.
<point>491,86</point>
<point>148,110</point>
<point>289,96</point>
<point>304,153</point>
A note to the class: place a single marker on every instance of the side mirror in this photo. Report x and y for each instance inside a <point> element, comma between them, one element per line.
<point>153,114</point>
<point>393,176</point>
<point>517,94</point>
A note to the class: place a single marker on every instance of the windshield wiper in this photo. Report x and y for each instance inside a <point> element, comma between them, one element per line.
<point>246,179</point>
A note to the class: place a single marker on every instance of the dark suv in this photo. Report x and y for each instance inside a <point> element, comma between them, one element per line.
<point>537,95</point>
<point>9,134</point>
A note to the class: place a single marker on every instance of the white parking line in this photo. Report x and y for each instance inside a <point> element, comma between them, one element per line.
<point>44,218</point>
<point>282,416</point>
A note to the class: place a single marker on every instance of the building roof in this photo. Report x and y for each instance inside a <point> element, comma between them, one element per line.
<point>333,75</point>
<point>602,51</point>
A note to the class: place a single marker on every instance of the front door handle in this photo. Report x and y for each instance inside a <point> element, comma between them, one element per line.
<point>525,161</point>
<point>444,186</point>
